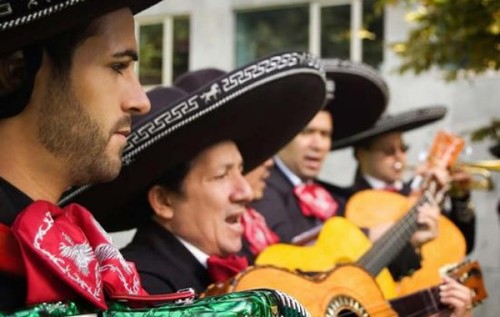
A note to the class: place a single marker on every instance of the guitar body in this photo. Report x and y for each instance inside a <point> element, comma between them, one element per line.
<point>324,294</point>
<point>340,241</point>
<point>369,208</point>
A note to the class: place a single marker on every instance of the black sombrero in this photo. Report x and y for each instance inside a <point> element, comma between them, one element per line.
<point>248,105</point>
<point>360,96</point>
<point>495,150</point>
<point>402,122</point>
<point>25,22</point>
<point>193,80</point>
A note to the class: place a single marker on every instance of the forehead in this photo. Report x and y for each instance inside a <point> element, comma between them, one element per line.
<point>321,121</point>
<point>220,154</point>
<point>116,32</point>
<point>387,139</point>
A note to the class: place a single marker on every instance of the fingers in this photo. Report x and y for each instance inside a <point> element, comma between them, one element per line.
<point>427,220</point>
<point>457,296</point>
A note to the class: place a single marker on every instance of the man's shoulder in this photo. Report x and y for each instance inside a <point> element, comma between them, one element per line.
<point>278,180</point>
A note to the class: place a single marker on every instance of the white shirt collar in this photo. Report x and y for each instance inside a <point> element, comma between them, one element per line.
<point>376,183</point>
<point>294,179</point>
<point>201,256</point>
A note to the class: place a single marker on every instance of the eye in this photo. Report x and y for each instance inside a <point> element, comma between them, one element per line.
<point>221,175</point>
<point>119,67</point>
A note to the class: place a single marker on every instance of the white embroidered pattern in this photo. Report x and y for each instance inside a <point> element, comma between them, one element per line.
<point>41,13</point>
<point>61,263</point>
<point>237,83</point>
<point>80,254</point>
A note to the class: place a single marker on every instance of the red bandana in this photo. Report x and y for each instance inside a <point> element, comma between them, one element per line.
<point>315,201</point>
<point>68,256</point>
<point>222,269</point>
<point>256,232</point>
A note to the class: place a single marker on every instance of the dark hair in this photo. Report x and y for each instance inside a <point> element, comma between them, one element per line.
<point>173,180</point>
<point>18,70</point>
<point>61,47</point>
<point>365,145</point>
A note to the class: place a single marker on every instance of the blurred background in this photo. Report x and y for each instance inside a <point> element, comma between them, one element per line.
<point>429,52</point>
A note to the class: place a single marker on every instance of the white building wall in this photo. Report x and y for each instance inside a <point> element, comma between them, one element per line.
<point>470,103</point>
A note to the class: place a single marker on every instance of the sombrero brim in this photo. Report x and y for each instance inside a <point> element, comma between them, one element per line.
<point>23,24</point>
<point>260,106</point>
<point>360,97</point>
<point>402,122</point>
<point>495,150</point>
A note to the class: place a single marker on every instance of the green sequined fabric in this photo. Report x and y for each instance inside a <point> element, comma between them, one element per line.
<point>58,309</point>
<point>254,303</point>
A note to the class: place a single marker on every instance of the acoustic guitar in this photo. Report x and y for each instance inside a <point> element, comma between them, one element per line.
<point>344,242</point>
<point>339,241</point>
<point>370,208</point>
<point>330,294</point>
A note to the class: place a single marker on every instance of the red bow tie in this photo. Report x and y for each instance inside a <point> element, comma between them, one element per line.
<point>390,188</point>
<point>221,269</point>
<point>256,232</point>
<point>68,256</point>
<point>315,201</point>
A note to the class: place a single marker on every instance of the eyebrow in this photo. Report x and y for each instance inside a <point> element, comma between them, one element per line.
<point>127,53</point>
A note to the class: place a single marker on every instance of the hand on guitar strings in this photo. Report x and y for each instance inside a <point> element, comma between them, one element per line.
<point>427,221</point>
<point>457,296</point>
<point>437,175</point>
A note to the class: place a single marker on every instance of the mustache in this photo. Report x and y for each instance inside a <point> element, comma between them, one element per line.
<point>124,123</point>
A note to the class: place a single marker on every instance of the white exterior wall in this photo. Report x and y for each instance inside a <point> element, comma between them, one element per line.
<point>470,103</point>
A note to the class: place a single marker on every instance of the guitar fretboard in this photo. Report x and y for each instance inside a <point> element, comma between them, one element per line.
<point>385,249</point>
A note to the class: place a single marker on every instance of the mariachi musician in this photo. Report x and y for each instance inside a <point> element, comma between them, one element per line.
<point>381,155</point>
<point>357,89</point>
<point>67,92</point>
<point>256,233</point>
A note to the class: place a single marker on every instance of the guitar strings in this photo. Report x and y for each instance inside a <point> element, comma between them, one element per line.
<point>377,307</point>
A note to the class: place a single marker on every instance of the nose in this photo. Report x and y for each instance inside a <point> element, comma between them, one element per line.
<point>242,192</point>
<point>400,154</point>
<point>136,101</point>
<point>320,142</point>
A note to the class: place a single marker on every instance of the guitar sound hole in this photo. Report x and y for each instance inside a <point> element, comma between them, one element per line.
<point>347,313</point>
<point>345,306</point>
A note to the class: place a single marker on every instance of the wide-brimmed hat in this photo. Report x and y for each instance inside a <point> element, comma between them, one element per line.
<point>495,150</point>
<point>25,22</point>
<point>193,80</point>
<point>404,121</point>
<point>260,106</point>
<point>360,96</point>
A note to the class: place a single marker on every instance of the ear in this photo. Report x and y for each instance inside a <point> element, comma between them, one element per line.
<point>159,201</point>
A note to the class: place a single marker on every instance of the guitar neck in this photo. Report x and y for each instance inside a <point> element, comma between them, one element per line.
<point>392,242</point>
<point>419,304</point>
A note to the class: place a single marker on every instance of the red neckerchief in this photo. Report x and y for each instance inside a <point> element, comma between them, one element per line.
<point>256,232</point>
<point>68,256</point>
<point>315,201</point>
<point>10,255</point>
<point>221,269</point>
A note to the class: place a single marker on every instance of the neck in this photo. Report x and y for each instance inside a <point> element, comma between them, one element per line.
<point>28,165</point>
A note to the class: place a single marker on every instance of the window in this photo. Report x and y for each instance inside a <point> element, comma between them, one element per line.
<point>372,34</point>
<point>151,54</point>
<point>163,50</point>
<point>336,31</point>
<point>260,33</point>
<point>180,54</point>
